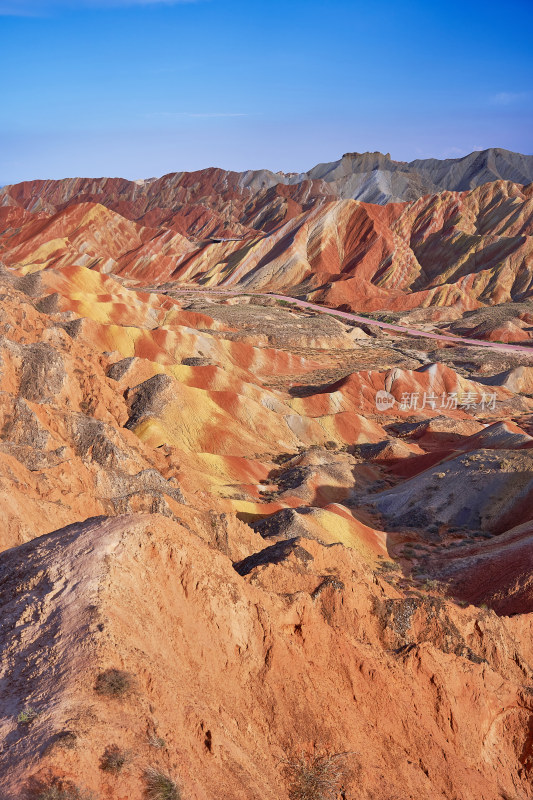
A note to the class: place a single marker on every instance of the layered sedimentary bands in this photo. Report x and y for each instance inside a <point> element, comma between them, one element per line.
<point>236,529</point>
<point>305,234</point>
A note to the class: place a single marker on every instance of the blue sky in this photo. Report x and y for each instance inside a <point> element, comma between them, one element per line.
<point>138,89</point>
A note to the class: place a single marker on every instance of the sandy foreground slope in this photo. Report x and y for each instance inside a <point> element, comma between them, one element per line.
<point>233,667</point>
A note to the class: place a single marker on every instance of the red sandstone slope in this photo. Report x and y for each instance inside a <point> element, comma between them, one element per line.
<point>462,249</point>
<point>210,202</point>
<point>90,235</point>
<point>269,542</point>
<point>190,418</point>
<point>369,177</point>
<point>227,672</point>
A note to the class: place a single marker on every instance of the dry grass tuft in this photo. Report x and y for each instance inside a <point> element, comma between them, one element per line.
<point>114,683</point>
<point>56,789</point>
<point>159,786</point>
<point>319,775</point>
<point>114,759</point>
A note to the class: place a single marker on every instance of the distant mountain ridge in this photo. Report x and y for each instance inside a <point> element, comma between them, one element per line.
<point>461,249</point>
<point>376,178</point>
<point>301,234</point>
<point>369,177</point>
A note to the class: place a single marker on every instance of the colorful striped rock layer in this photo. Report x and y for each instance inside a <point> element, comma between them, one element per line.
<point>270,496</point>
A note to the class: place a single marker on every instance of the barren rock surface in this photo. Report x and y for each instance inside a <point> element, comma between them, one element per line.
<point>234,528</point>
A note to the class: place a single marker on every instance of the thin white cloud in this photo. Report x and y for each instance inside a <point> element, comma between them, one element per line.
<point>508,98</point>
<point>216,114</point>
<point>196,115</point>
<point>454,152</point>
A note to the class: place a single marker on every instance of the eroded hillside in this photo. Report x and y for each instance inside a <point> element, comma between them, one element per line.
<point>234,528</point>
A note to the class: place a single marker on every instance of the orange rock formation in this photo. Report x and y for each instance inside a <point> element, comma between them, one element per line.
<point>217,549</point>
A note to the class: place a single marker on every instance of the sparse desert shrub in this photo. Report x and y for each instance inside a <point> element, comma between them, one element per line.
<point>159,786</point>
<point>156,741</point>
<point>319,775</point>
<point>86,406</point>
<point>114,759</point>
<point>389,566</point>
<point>282,458</point>
<point>56,789</point>
<point>27,715</point>
<point>114,683</point>
<point>65,740</point>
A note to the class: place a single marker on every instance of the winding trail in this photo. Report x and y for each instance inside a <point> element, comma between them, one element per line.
<point>457,340</point>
